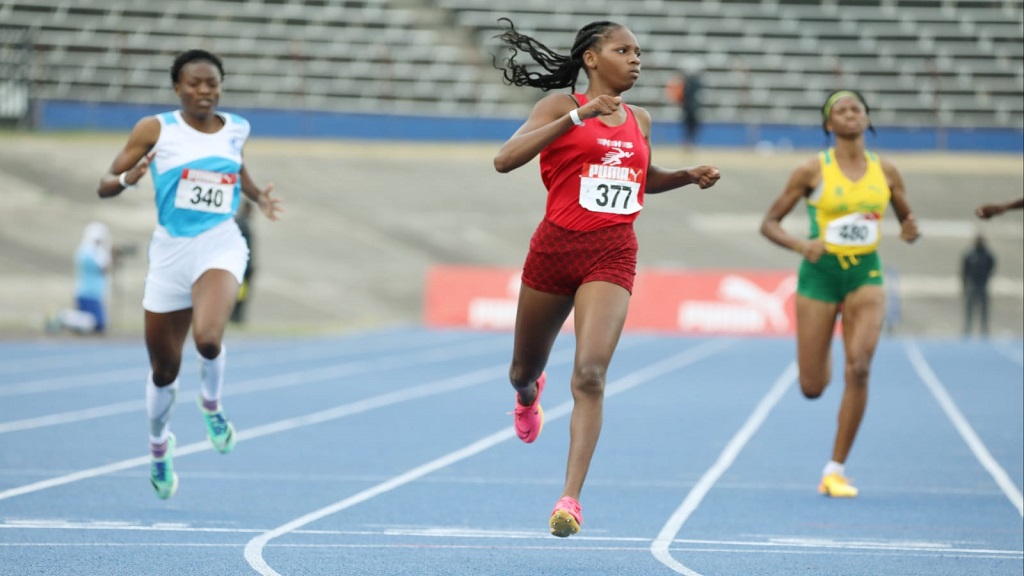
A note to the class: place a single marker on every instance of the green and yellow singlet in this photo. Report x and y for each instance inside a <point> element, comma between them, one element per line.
<point>847,215</point>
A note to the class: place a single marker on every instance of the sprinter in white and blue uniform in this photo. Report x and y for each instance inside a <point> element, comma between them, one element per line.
<point>197,255</point>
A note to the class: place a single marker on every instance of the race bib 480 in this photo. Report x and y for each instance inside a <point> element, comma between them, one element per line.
<point>857,229</point>
<point>610,189</point>
<point>205,191</point>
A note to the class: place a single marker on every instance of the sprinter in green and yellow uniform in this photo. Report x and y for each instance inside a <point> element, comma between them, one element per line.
<point>847,189</point>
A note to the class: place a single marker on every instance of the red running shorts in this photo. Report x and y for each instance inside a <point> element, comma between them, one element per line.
<point>562,260</point>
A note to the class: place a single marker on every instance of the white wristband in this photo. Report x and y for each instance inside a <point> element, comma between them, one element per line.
<point>575,117</point>
<point>123,182</point>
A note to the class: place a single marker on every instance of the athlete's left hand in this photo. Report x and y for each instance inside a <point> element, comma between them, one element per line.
<point>908,229</point>
<point>704,176</point>
<point>269,205</point>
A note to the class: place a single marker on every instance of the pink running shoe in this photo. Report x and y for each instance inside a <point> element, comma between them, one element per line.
<point>530,419</point>
<point>566,517</point>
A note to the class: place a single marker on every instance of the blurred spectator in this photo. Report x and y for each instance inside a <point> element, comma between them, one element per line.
<point>242,218</point>
<point>975,272</point>
<point>686,89</point>
<point>384,62</point>
<point>295,77</point>
<point>933,91</point>
<point>893,300</point>
<point>839,78</point>
<point>741,74</point>
<point>93,262</point>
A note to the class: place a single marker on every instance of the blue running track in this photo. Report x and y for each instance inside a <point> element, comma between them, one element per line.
<point>391,452</point>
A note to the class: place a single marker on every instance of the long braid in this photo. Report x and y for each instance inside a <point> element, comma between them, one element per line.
<point>562,71</point>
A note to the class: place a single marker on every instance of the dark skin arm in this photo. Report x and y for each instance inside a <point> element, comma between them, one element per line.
<point>136,156</point>
<point>802,180</point>
<point>662,179</point>
<point>986,211</point>
<point>908,223</point>
<point>550,119</point>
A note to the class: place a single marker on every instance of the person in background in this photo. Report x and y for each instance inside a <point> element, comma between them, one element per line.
<point>686,89</point>
<point>243,219</point>
<point>986,211</point>
<point>197,255</point>
<point>693,106</point>
<point>847,189</point>
<point>93,263</point>
<point>976,269</point>
<point>594,154</point>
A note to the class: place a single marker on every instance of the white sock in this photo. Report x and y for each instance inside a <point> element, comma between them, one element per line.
<point>77,320</point>
<point>211,375</point>
<point>159,402</point>
<point>834,467</point>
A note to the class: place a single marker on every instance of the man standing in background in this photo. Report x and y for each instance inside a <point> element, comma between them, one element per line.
<point>686,90</point>
<point>975,272</point>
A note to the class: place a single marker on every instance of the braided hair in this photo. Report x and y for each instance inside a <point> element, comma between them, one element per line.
<point>562,71</point>
<point>190,56</point>
<point>826,109</point>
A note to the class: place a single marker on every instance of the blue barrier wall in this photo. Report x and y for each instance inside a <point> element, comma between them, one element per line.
<point>59,115</point>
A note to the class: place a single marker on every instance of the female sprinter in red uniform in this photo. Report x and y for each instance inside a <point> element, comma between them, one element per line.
<point>595,163</point>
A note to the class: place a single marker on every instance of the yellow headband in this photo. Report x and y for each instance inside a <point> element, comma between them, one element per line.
<point>835,98</point>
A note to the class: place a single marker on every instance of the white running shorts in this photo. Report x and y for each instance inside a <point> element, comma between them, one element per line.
<point>175,263</point>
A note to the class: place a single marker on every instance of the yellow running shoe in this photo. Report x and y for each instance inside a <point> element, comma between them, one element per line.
<point>836,486</point>
<point>566,517</point>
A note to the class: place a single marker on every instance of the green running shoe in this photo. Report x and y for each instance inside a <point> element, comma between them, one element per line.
<point>219,429</point>
<point>161,472</point>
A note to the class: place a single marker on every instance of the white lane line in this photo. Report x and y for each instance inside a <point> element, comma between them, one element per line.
<point>77,415</point>
<point>254,548</point>
<point>724,549</point>
<point>61,357</point>
<point>708,547</point>
<point>79,356</point>
<point>425,534</point>
<point>249,359</point>
<point>681,484</point>
<point>660,546</point>
<point>259,384</point>
<point>1015,355</point>
<point>962,426</point>
<point>382,400</point>
<point>379,401</point>
<point>71,382</point>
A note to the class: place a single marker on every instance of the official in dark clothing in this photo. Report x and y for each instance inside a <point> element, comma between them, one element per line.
<point>976,270</point>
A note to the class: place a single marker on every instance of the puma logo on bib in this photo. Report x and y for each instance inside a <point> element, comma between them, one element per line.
<point>610,189</point>
<point>206,191</point>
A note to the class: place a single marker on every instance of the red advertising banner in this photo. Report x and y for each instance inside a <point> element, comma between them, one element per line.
<point>714,302</point>
<point>735,302</point>
<point>470,296</point>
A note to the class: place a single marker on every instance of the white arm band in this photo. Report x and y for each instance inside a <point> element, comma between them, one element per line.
<point>124,183</point>
<point>575,117</point>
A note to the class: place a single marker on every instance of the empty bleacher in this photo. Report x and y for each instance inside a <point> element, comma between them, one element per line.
<point>920,62</point>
